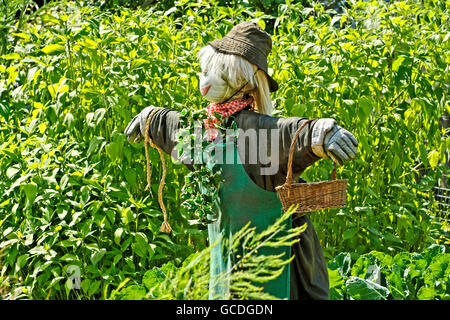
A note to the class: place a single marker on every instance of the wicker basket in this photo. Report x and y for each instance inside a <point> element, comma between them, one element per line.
<point>311,196</point>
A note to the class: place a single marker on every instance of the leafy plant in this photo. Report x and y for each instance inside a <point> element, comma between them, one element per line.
<point>201,185</point>
<point>379,276</point>
<point>381,75</point>
<point>249,272</point>
<point>72,76</point>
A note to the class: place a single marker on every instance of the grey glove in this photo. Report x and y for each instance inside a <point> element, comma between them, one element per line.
<point>332,141</point>
<point>135,130</point>
<point>340,145</point>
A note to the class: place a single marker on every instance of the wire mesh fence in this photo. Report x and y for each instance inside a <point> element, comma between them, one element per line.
<point>442,196</point>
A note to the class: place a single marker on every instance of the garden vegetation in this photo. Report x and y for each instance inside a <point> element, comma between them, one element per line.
<point>73,73</point>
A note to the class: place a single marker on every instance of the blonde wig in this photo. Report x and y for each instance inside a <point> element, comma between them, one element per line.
<point>227,73</point>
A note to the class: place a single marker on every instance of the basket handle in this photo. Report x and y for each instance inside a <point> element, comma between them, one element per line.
<point>289,179</point>
<point>333,175</point>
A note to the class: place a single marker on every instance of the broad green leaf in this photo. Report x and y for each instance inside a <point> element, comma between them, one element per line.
<point>397,63</point>
<point>10,56</point>
<point>153,277</point>
<point>97,256</point>
<point>131,177</point>
<point>94,287</point>
<point>49,18</point>
<point>113,150</point>
<point>384,260</point>
<point>61,211</point>
<point>55,281</point>
<point>361,289</point>
<point>38,250</point>
<point>21,35</point>
<point>63,182</point>
<point>350,233</point>
<point>168,269</point>
<point>99,114</point>
<point>136,63</point>
<point>42,128</point>
<point>133,292</point>
<point>298,110</point>
<point>426,293</point>
<point>434,158</point>
<point>30,191</point>
<point>11,172</point>
<point>337,282</point>
<point>432,251</point>
<point>89,43</point>
<point>439,267</point>
<point>85,283</point>
<point>21,261</point>
<point>5,110</point>
<point>117,235</point>
<point>342,263</point>
<point>261,23</point>
<point>365,108</point>
<point>141,244</point>
<point>53,49</point>
<point>68,257</point>
<point>361,266</point>
<point>95,142</point>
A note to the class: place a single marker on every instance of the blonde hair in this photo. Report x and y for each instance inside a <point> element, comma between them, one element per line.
<point>236,71</point>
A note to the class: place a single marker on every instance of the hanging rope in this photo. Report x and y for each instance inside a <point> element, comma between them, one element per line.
<point>165,227</point>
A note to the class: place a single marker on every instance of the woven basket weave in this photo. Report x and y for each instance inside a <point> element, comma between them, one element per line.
<point>311,196</point>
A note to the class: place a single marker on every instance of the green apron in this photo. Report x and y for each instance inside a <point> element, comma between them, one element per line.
<point>240,201</point>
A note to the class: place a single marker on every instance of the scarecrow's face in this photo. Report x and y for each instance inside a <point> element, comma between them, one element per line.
<point>213,87</point>
<point>224,75</point>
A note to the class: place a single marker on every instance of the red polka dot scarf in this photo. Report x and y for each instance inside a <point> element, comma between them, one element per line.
<point>226,110</point>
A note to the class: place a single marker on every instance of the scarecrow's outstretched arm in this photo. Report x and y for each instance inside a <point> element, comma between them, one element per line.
<point>275,136</point>
<point>271,168</point>
<point>163,128</point>
<point>321,138</point>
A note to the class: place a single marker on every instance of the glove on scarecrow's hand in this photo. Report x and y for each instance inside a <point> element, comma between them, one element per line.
<point>332,141</point>
<point>135,130</point>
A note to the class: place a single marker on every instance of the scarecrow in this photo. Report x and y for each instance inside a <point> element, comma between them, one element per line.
<point>236,82</point>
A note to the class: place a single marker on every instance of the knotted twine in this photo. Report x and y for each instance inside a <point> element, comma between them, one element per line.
<point>165,227</point>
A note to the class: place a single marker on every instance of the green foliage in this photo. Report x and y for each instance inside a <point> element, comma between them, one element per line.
<point>379,276</point>
<point>382,76</point>
<point>72,76</point>
<point>190,281</point>
<point>201,185</point>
